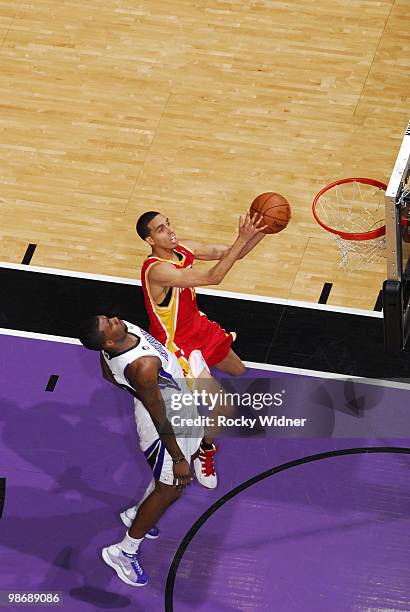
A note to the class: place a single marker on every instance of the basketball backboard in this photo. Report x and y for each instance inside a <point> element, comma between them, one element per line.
<point>396,288</point>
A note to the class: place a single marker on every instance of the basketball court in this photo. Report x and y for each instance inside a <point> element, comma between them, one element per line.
<point>298,522</point>
<point>194,110</point>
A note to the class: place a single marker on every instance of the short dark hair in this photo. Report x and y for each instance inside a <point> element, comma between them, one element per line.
<point>90,335</point>
<point>143,221</point>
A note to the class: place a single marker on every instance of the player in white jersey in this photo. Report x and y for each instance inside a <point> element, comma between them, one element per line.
<point>134,360</point>
<point>171,382</point>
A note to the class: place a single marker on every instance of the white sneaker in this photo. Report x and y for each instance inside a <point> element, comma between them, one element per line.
<point>128,517</point>
<point>204,466</point>
<point>126,565</point>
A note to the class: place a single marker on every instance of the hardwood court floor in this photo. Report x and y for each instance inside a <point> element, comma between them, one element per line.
<point>114,107</point>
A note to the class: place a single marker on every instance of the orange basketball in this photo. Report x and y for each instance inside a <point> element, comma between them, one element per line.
<point>275,210</point>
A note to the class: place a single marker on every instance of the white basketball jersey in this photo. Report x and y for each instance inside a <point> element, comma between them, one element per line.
<point>170,374</point>
<point>170,380</point>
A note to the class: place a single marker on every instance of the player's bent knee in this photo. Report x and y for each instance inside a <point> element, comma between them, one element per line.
<point>238,369</point>
<point>236,365</point>
<point>168,493</point>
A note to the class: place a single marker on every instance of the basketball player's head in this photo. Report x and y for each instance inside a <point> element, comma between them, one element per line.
<point>100,332</point>
<point>155,228</point>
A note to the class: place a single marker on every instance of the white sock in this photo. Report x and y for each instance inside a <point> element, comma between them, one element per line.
<point>198,364</point>
<point>130,545</point>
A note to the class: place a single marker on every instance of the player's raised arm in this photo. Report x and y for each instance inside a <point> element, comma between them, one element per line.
<point>143,376</point>
<point>257,220</point>
<point>212,252</point>
<point>166,275</point>
<point>206,252</point>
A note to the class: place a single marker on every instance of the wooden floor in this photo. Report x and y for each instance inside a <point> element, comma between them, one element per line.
<point>113,107</point>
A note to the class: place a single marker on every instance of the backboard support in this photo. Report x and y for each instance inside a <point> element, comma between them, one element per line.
<point>396,287</point>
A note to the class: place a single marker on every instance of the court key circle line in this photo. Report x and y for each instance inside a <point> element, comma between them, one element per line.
<point>173,570</point>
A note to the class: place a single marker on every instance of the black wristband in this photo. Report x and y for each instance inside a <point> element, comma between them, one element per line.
<point>175,461</point>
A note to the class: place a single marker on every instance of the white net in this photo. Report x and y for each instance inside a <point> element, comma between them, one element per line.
<point>353,208</point>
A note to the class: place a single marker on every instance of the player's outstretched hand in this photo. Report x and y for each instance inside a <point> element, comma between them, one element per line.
<point>250,226</point>
<point>182,474</point>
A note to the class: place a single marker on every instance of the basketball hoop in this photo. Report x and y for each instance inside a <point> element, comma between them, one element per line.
<point>353,211</point>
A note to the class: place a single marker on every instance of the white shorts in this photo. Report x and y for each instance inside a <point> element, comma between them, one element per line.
<point>154,449</point>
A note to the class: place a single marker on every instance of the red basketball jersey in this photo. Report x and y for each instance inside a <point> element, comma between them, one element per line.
<point>177,318</point>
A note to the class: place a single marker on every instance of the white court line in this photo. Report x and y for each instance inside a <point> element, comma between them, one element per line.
<point>250,364</point>
<point>57,272</point>
<point>379,382</point>
<point>35,336</point>
<point>201,291</point>
<point>285,302</point>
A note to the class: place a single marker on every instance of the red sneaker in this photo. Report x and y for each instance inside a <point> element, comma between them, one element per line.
<point>204,466</point>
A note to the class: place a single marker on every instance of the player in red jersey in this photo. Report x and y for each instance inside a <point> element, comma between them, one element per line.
<point>169,281</point>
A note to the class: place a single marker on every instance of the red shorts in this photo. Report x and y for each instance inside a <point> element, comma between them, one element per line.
<point>213,342</point>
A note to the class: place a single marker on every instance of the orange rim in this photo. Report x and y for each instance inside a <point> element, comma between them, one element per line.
<point>371,234</point>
